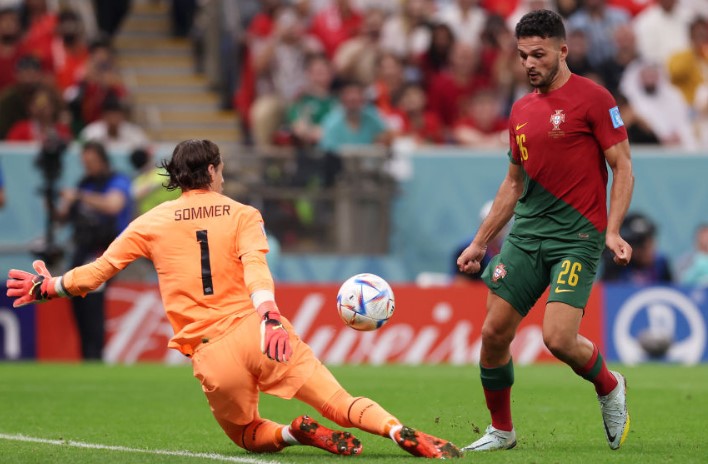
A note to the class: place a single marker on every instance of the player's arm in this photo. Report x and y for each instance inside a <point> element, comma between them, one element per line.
<point>620,161</point>
<point>502,210</point>
<point>253,246</point>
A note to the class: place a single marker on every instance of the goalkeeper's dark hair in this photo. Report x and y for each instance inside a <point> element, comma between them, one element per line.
<point>189,165</point>
<point>541,23</point>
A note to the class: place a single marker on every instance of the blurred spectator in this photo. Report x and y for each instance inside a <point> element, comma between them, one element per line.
<point>695,271</point>
<point>39,24</point>
<point>527,6</point>
<point>612,69</point>
<point>335,24</point>
<point>113,129</point>
<point>437,57</point>
<point>98,209</point>
<point>466,19</point>
<point>390,80</point>
<point>650,93</point>
<point>493,249</point>
<point>148,186</point>
<point>279,63</point>
<point>633,7</point>
<point>305,115</point>
<point>182,14</point>
<point>638,130</point>
<point>688,69</point>
<point>460,80</point>
<point>662,30</point>
<point>598,22</point>
<point>102,78</point>
<point>648,266</point>
<point>418,123</point>
<point>356,58</point>
<point>110,15</point>
<point>44,122</point>
<point>502,8</point>
<point>260,29</point>
<point>352,122</point>
<point>566,8</point>
<point>481,124</point>
<point>493,51</point>
<point>10,50</point>
<point>700,106</point>
<point>406,34</point>
<point>69,50</point>
<point>14,101</point>
<point>2,189</point>
<point>578,60</point>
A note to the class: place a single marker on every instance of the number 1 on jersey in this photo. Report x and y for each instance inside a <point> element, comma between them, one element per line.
<point>203,240</point>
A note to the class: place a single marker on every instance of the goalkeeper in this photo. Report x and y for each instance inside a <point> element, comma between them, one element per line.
<point>218,293</point>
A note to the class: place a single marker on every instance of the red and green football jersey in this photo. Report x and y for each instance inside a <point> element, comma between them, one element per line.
<point>559,139</point>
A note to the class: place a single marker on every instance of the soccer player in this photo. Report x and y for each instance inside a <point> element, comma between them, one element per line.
<point>209,253</point>
<point>561,136</point>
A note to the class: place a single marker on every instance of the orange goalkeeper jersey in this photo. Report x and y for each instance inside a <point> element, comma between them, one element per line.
<point>209,253</point>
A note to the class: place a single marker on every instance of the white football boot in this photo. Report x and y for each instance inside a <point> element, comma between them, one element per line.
<point>614,412</point>
<point>493,439</point>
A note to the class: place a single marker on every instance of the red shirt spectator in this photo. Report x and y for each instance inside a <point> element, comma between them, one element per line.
<point>10,50</point>
<point>336,24</point>
<point>44,110</point>
<point>416,122</point>
<point>40,26</point>
<point>69,51</point>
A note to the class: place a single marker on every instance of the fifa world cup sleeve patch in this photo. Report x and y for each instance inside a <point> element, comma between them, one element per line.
<point>616,118</point>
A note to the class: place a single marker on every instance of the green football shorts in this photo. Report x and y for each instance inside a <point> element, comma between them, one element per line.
<point>524,268</point>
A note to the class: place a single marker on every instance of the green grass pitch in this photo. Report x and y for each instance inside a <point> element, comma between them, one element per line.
<point>157,409</point>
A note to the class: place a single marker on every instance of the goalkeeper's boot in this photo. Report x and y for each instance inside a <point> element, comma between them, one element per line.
<point>493,439</point>
<point>614,412</point>
<point>309,432</point>
<point>423,445</point>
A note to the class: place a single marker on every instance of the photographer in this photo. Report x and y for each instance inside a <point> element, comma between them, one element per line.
<point>98,209</point>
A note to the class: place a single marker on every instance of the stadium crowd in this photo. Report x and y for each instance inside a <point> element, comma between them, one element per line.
<point>447,71</point>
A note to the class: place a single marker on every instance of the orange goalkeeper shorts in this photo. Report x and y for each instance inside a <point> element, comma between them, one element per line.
<point>233,370</point>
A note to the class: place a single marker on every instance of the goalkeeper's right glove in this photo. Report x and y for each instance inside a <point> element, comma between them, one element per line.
<point>31,288</point>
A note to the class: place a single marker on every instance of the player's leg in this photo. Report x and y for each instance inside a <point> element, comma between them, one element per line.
<point>516,279</point>
<point>323,392</point>
<point>571,283</point>
<point>497,373</point>
<point>232,393</point>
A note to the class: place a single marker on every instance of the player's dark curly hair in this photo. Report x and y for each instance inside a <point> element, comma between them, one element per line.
<point>541,23</point>
<point>189,166</point>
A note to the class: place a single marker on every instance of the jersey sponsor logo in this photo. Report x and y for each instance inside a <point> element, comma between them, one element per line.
<point>616,117</point>
<point>201,212</point>
<point>556,119</point>
<point>499,272</point>
<point>520,126</point>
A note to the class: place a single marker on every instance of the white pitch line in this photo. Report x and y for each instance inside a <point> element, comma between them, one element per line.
<point>125,449</point>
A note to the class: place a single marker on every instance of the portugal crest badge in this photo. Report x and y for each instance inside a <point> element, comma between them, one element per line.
<point>499,272</point>
<point>556,119</point>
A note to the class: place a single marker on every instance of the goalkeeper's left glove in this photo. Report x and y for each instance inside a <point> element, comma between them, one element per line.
<point>33,288</point>
<point>275,340</point>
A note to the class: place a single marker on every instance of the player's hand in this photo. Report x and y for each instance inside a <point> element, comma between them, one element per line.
<point>31,288</point>
<point>621,250</point>
<point>470,260</point>
<point>275,340</point>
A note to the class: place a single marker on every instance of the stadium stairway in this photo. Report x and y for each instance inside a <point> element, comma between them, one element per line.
<point>170,100</point>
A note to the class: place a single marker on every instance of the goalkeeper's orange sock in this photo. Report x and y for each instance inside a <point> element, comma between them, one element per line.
<point>595,371</point>
<point>260,436</point>
<point>367,415</point>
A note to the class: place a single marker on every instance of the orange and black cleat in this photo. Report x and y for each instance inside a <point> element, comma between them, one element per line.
<point>426,446</point>
<point>309,432</point>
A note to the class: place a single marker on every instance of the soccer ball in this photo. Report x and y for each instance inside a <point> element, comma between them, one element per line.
<point>365,302</point>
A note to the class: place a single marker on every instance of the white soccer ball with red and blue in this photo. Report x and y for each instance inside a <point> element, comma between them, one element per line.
<point>365,302</point>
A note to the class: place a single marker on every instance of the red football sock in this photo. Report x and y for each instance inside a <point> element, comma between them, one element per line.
<point>595,370</point>
<point>499,405</point>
